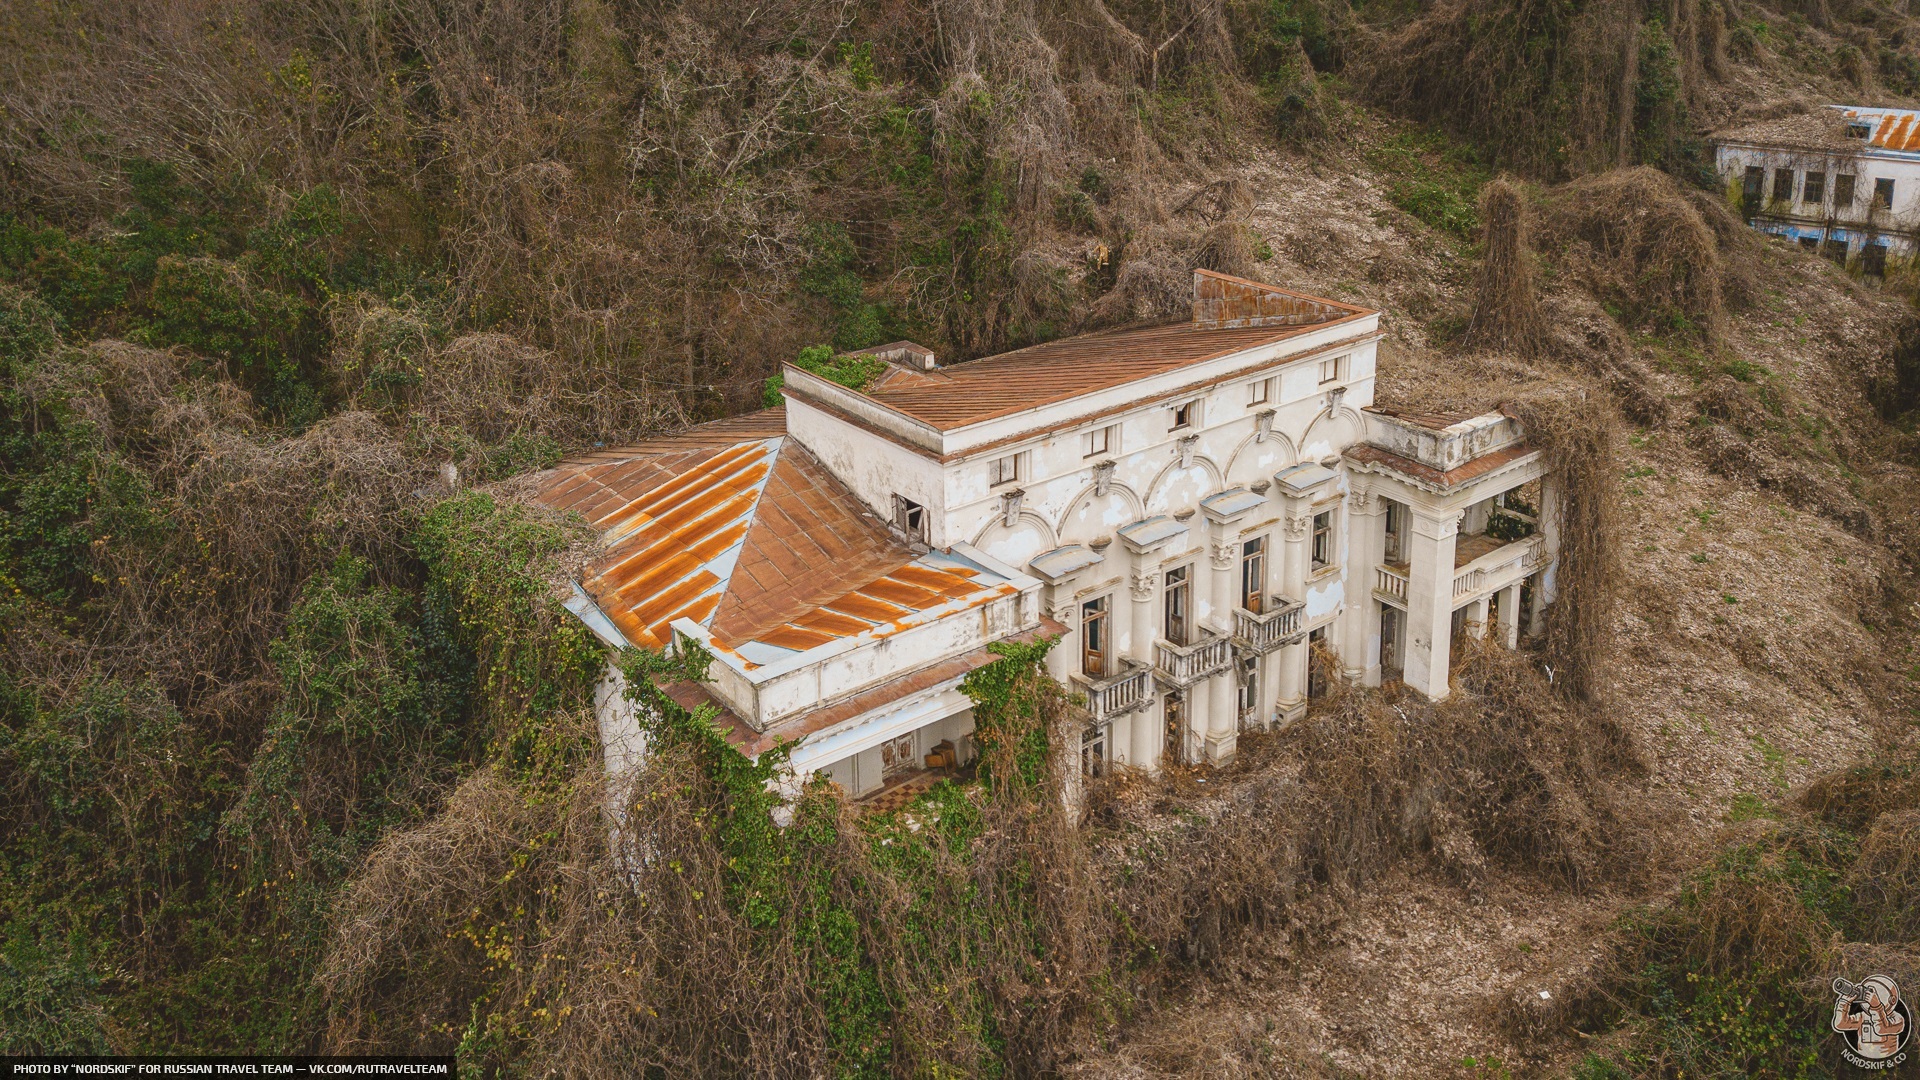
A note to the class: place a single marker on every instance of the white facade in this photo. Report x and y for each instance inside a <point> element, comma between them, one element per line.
<point>1843,182</point>
<point>1212,540</point>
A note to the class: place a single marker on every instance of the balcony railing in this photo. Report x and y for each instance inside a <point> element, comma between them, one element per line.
<point>1269,629</point>
<point>1390,583</point>
<point>1116,694</point>
<point>1184,665</point>
<point>1500,567</point>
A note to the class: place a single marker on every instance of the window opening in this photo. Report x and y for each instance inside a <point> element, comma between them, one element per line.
<point>1006,470</point>
<point>1178,595</point>
<point>1253,573</point>
<point>1323,540</point>
<point>910,518</point>
<point>1094,647</point>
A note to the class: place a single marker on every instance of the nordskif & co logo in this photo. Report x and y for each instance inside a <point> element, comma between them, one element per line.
<point>1873,1020</point>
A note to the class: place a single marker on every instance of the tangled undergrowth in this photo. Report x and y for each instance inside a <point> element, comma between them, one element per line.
<point>1728,979</point>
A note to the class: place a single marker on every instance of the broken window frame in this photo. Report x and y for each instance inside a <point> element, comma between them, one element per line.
<point>1753,186</point>
<point>1005,470</point>
<point>910,518</point>
<point>1883,192</point>
<point>1185,415</point>
<point>1783,177</point>
<point>1813,189</point>
<point>1843,191</point>
<point>1249,686</point>
<point>1321,549</point>
<point>1096,750</point>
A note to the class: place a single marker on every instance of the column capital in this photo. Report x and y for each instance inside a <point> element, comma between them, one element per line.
<point>1221,551</point>
<point>1143,580</point>
<point>1437,525</point>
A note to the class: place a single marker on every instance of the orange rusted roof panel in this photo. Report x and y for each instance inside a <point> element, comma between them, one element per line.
<point>739,528</point>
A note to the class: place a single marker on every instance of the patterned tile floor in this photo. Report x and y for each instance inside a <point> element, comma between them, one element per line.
<point>900,790</point>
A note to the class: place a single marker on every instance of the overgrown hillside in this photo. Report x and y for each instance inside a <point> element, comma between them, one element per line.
<point>294,749</point>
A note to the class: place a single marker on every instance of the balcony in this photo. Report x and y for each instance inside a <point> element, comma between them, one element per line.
<point>1116,694</point>
<point>1184,665</point>
<point>1390,583</point>
<point>1268,630</point>
<point>1496,567</point>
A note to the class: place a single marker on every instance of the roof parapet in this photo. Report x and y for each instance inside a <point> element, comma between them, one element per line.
<point>1440,441</point>
<point>906,354</point>
<point>1224,302</point>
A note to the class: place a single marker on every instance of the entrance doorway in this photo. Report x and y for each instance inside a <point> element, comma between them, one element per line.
<point>1175,708</point>
<point>1392,623</point>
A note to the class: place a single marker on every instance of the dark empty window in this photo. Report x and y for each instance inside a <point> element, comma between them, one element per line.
<point>1783,185</point>
<point>910,518</point>
<point>1815,189</point>
<point>1249,685</point>
<point>1317,663</point>
<point>1396,532</point>
<point>1883,193</point>
<point>1843,191</point>
<point>1858,131</point>
<point>1183,415</point>
<point>1810,243</point>
<point>1873,259</point>
<point>1754,186</point>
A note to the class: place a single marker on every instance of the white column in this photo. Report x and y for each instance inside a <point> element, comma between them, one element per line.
<point>1223,722</point>
<point>1290,667</point>
<point>1222,597</point>
<point>1295,525</point>
<point>1143,628</point>
<point>1430,601</point>
<point>1148,722</point>
<point>1359,642</point>
<point>1510,616</point>
<point>1548,587</point>
<point>1199,711</point>
<point>1270,687</point>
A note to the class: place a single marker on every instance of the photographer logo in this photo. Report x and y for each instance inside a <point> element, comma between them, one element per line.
<point>1873,1020</point>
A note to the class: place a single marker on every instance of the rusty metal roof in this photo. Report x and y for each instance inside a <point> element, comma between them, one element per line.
<point>1827,130</point>
<point>750,536</point>
<point>1231,315</point>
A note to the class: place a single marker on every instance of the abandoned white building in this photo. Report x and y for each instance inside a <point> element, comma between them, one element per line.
<point>1843,181</point>
<point>1210,514</point>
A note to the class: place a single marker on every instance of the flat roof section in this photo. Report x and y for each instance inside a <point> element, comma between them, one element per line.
<point>1231,315</point>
